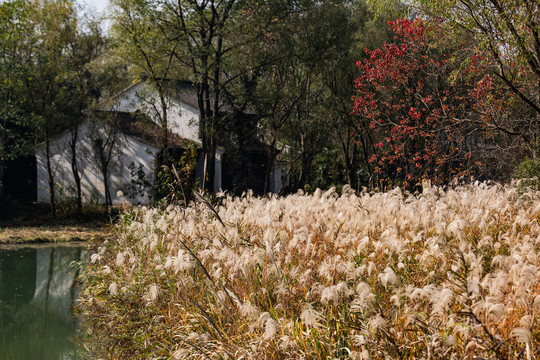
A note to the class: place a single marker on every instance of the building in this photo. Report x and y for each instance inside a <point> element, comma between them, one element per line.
<point>126,130</point>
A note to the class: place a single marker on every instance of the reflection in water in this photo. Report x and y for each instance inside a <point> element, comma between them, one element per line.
<point>37,293</point>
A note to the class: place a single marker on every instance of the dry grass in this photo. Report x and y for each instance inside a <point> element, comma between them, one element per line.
<point>57,233</point>
<point>445,275</point>
<point>23,223</point>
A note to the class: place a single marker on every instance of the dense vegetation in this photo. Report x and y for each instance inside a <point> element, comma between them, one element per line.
<point>444,90</point>
<point>386,95</point>
<point>448,274</point>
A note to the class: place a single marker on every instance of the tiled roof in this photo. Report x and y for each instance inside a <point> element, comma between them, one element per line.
<point>142,128</point>
<point>182,91</point>
<point>186,93</point>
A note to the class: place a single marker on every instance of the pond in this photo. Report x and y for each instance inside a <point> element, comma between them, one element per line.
<point>37,294</point>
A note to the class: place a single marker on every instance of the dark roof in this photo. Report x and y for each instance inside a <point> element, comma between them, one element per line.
<point>185,92</point>
<point>141,127</point>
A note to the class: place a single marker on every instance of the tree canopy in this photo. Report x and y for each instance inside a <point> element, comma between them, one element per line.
<point>326,89</point>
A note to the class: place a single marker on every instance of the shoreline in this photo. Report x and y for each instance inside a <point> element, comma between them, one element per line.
<point>54,234</point>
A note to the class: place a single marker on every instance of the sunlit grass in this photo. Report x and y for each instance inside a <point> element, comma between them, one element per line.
<point>445,274</point>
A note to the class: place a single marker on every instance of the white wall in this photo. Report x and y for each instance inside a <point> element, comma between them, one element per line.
<point>217,169</point>
<point>183,119</point>
<point>127,150</point>
<point>278,178</point>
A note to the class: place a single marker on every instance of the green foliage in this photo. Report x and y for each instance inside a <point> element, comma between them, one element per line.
<point>176,178</point>
<point>68,202</point>
<point>45,81</point>
<point>528,174</point>
<point>140,184</point>
<point>16,132</point>
<point>15,120</point>
<point>303,85</point>
<point>528,168</point>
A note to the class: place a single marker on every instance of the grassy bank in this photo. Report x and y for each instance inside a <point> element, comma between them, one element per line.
<point>52,233</point>
<point>35,224</point>
<point>445,275</point>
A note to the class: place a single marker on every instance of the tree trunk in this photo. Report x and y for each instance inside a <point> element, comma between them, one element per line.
<point>164,143</point>
<point>270,161</point>
<point>108,200</point>
<point>211,166</point>
<point>2,164</point>
<point>207,129</point>
<point>50,175</point>
<point>104,151</point>
<point>75,166</point>
<point>104,173</point>
<point>305,165</point>
<point>347,159</point>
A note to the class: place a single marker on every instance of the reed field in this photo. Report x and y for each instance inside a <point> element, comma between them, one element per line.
<point>447,274</point>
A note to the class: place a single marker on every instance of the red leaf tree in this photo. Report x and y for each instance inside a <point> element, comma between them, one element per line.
<point>409,95</point>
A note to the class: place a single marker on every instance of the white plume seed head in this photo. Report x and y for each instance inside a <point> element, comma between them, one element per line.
<point>522,335</point>
<point>388,277</point>
<point>309,316</point>
<point>345,252</point>
<point>497,311</point>
<point>270,329</point>
<point>113,289</point>
<point>152,294</point>
<point>180,354</point>
<point>120,259</point>
<point>536,303</point>
<point>377,322</point>
<point>94,258</point>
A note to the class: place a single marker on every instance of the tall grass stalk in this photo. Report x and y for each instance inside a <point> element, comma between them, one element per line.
<point>448,274</point>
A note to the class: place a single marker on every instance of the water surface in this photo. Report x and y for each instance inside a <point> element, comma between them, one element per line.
<point>37,294</point>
